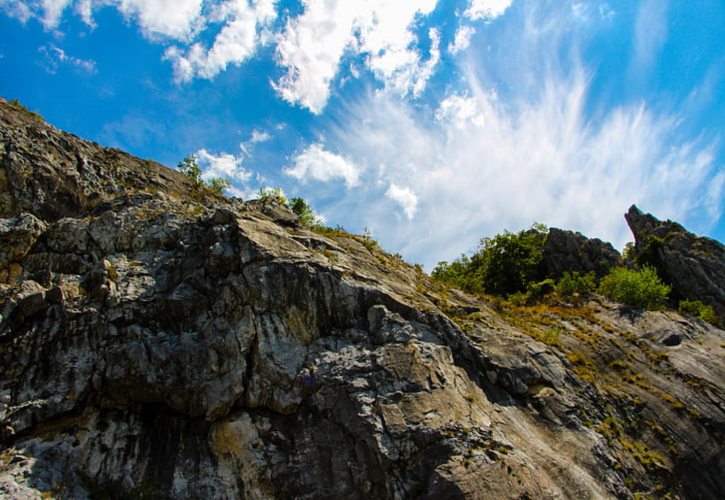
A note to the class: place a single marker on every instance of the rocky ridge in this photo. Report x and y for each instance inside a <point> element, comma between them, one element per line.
<point>160,342</point>
<point>693,265</point>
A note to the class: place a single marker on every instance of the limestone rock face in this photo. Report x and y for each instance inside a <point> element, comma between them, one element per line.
<point>567,251</point>
<point>160,342</point>
<point>694,266</point>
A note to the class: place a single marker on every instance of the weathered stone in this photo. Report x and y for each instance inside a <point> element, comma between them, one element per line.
<point>176,346</point>
<point>567,251</point>
<point>694,266</point>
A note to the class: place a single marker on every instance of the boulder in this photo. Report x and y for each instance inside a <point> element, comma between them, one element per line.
<point>569,251</point>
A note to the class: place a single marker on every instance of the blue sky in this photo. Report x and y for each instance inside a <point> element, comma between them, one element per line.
<point>431,122</point>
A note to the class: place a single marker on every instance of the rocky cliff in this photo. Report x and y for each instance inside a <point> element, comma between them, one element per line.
<point>694,266</point>
<point>157,341</point>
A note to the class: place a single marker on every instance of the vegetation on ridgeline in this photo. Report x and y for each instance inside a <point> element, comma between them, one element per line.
<point>510,265</point>
<point>32,114</point>
<point>503,265</point>
<point>189,166</point>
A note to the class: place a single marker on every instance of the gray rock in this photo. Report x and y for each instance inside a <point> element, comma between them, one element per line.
<point>567,251</point>
<point>694,266</point>
<point>176,345</point>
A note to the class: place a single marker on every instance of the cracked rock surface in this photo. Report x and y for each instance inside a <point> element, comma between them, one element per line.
<point>160,342</point>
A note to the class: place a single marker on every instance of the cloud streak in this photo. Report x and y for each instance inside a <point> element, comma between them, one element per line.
<point>485,165</point>
<point>54,57</point>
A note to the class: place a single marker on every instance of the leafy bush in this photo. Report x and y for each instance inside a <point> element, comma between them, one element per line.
<point>697,309</point>
<point>457,273</point>
<point>189,166</point>
<point>304,212</point>
<point>191,169</point>
<point>572,283</point>
<point>636,288</point>
<point>276,195</point>
<point>503,265</point>
<point>536,290</point>
<point>217,184</point>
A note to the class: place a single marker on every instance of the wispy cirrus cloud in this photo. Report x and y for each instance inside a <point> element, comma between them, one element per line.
<point>502,166</point>
<point>483,161</point>
<point>650,35</point>
<point>54,58</point>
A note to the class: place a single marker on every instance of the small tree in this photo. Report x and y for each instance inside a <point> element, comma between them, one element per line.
<point>304,212</point>
<point>503,264</point>
<point>574,282</point>
<point>191,169</point>
<point>189,166</point>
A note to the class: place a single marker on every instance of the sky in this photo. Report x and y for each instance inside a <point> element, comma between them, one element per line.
<point>432,123</point>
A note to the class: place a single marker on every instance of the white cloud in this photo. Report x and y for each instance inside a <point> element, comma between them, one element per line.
<point>462,39</point>
<point>311,49</point>
<point>316,163</point>
<point>234,44</point>
<point>167,18</point>
<point>259,136</point>
<point>16,9</point>
<point>52,11</point>
<point>404,197</point>
<point>486,9</point>
<point>460,112</point>
<point>650,34</point>
<point>534,158</point>
<point>223,165</point>
<point>174,19</point>
<point>381,34</point>
<point>386,37</point>
<point>54,57</point>
<point>84,8</point>
<point>314,43</point>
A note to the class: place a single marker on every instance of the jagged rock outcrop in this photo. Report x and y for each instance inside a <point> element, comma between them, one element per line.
<point>568,251</point>
<point>161,342</point>
<point>694,266</point>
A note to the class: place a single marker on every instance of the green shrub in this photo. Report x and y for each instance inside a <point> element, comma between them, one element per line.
<point>304,212</point>
<point>189,166</point>
<point>509,261</point>
<point>191,169</point>
<point>456,273</point>
<point>536,290</point>
<point>636,288</point>
<point>697,309</point>
<point>503,265</point>
<point>217,184</point>
<point>650,255</point>
<point>276,195</point>
<point>32,114</point>
<point>571,283</point>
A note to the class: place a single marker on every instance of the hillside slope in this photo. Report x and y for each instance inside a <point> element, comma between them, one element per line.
<point>160,342</point>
